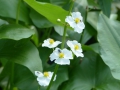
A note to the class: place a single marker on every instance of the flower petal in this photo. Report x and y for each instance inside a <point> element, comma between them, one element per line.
<point>39,74</point>
<point>55,54</point>
<point>62,61</point>
<point>68,54</point>
<point>50,76</point>
<point>78,30</point>
<point>56,43</point>
<point>43,81</point>
<point>70,21</point>
<point>75,14</point>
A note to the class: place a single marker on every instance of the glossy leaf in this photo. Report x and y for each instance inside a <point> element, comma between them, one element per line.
<point>9,9</point>
<point>105,6</point>
<point>22,52</point>
<point>50,11</point>
<point>91,74</point>
<point>108,37</point>
<point>22,79</point>
<point>39,20</point>
<point>15,32</point>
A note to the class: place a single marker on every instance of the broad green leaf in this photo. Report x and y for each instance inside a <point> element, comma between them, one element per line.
<point>39,20</point>
<point>9,9</point>
<point>22,52</point>
<point>22,79</point>
<point>108,38</point>
<point>15,32</point>
<point>105,6</point>
<point>90,74</point>
<point>51,12</point>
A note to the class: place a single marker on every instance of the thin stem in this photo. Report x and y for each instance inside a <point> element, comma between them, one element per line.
<point>51,81</point>
<point>85,20</point>
<point>17,14</point>
<point>64,36</point>
<point>12,76</point>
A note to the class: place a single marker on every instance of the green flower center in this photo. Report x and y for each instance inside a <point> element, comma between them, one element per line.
<point>51,41</point>
<point>46,74</point>
<point>77,20</point>
<point>76,47</point>
<point>61,55</point>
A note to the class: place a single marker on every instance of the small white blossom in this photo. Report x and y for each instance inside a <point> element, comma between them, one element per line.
<point>75,47</point>
<point>75,21</point>
<point>44,78</point>
<point>61,56</point>
<point>50,43</point>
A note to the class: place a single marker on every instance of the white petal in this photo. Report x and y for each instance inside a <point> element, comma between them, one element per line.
<point>55,54</point>
<point>62,61</point>
<point>50,76</point>
<point>70,44</point>
<point>70,21</point>
<point>81,25</point>
<point>76,14</point>
<point>78,53</point>
<point>78,30</point>
<point>68,54</point>
<point>45,44</point>
<point>56,43</point>
<point>39,74</point>
<point>43,81</point>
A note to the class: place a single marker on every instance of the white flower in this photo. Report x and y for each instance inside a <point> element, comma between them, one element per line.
<point>75,47</point>
<point>50,43</point>
<point>44,78</point>
<point>76,21</point>
<point>61,56</point>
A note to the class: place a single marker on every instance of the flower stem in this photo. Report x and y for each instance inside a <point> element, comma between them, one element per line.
<point>64,36</point>
<point>55,71</point>
<point>62,46</point>
<point>85,20</point>
<point>17,14</point>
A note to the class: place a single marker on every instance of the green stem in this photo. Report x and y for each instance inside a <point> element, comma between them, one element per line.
<point>51,81</point>
<point>17,14</point>
<point>62,46</point>
<point>64,36</point>
<point>85,20</point>
<point>12,76</point>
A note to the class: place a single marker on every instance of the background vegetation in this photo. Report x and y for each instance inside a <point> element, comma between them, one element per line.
<point>25,24</point>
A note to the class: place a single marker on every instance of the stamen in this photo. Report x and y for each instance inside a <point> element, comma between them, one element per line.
<point>46,74</point>
<point>51,41</point>
<point>77,20</point>
<point>76,47</point>
<point>61,55</point>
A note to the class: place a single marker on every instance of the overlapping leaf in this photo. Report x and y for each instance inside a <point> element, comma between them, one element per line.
<point>108,37</point>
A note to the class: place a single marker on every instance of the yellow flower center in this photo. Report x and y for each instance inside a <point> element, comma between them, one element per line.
<point>46,74</point>
<point>51,41</point>
<point>76,47</point>
<point>77,20</point>
<point>61,55</point>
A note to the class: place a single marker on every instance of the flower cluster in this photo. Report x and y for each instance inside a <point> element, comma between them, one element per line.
<point>63,56</point>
